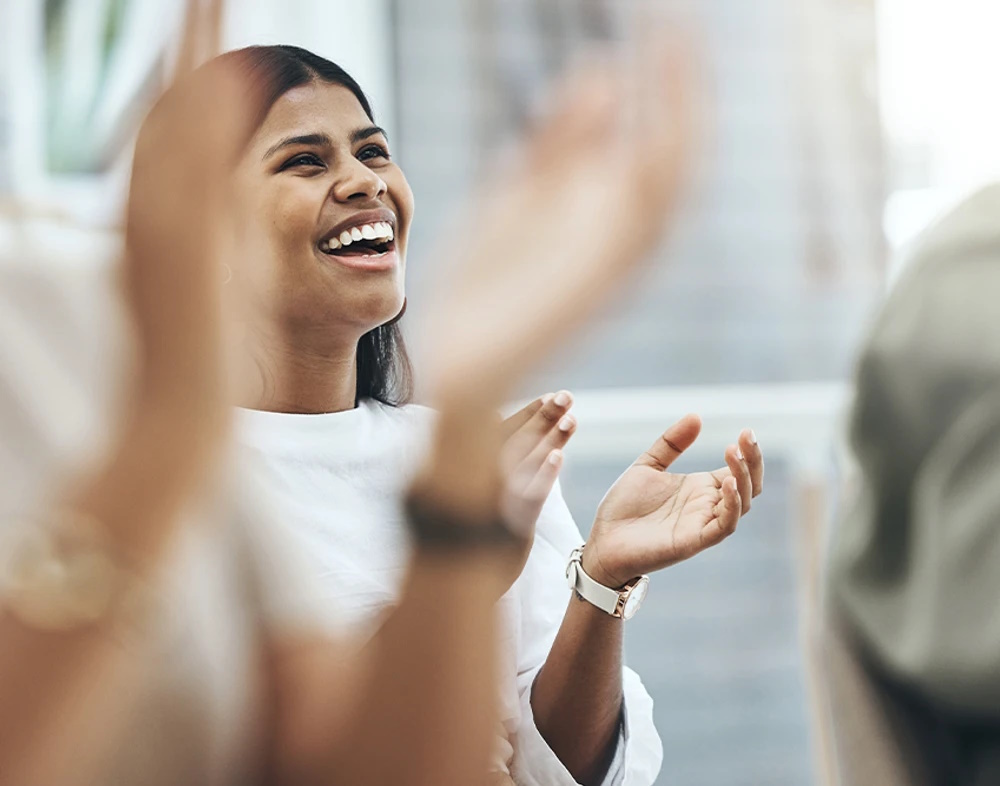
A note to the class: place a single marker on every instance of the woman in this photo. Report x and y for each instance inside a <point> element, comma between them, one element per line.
<point>326,210</point>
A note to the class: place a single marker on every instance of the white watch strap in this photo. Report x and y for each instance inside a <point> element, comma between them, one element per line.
<point>603,597</point>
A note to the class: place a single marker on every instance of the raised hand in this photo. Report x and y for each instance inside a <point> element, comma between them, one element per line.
<point>530,461</point>
<point>651,518</point>
<point>532,456</point>
<point>579,206</point>
<point>174,245</point>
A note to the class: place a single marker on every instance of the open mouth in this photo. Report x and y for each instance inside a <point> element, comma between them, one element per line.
<point>364,240</point>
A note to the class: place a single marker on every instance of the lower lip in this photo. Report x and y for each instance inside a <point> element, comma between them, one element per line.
<point>385,261</point>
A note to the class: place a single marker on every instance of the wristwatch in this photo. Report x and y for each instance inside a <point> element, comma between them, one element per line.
<point>622,603</point>
<point>58,571</point>
<point>434,528</point>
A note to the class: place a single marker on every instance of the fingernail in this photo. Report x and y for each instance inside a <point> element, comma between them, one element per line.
<point>555,457</point>
<point>753,438</point>
<point>562,398</point>
<point>739,453</point>
<point>548,397</point>
<point>566,423</point>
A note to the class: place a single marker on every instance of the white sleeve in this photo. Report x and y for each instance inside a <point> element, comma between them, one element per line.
<point>544,597</point>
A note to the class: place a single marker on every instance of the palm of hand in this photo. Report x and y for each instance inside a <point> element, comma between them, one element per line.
<point>651,519</point>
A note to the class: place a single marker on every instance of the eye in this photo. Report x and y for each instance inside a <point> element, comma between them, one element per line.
<point>303,160</point>
<point>373,151</point>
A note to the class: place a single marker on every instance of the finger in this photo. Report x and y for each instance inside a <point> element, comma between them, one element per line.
<point>554,439</point>
<point>540,486</point>
<point>191,32</point>
<point>550,407</point>
<point>520,444</point>
<point>513,422</point>
<point>583,113</point>
<point>664,117</point>
<point>553,408</point>
<point>213,28</point>
<point>754,460</point>
<point>738,466</point>
<point>201,35</point>
<point>674,441</point>
<point>727,515</point>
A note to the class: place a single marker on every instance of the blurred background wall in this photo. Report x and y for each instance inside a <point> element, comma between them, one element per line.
<point>833,131</point>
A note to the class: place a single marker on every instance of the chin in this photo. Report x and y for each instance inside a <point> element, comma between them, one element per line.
<point>378,310</point>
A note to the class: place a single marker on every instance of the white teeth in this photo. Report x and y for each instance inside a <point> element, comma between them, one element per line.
<point>380,230</point>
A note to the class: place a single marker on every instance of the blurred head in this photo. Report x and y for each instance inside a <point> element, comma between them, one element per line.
<point>325,212</point>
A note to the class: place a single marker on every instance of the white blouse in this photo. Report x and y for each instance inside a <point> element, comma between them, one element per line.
<point>339,479</point>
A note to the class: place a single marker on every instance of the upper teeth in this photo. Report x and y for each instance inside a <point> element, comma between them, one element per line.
<point>380,230</point>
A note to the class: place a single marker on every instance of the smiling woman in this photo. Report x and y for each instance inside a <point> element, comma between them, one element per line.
<point>325,213</point>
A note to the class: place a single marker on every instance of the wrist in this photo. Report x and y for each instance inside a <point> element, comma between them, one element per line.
<point>462,472</point>
<point>593,565</point>
<point>622,601</point>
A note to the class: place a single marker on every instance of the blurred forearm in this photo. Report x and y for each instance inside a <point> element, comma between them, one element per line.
<point>428,714</point>
<point>56,688</point>
<point>418,706</point>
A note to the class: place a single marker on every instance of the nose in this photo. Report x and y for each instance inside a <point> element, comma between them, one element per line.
<point>356,182</point>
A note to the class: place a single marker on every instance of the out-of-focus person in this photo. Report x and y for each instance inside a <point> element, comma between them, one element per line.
<point>913,656</point>
<point>152,629</point>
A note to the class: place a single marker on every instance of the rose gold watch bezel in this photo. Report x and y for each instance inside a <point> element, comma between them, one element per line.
<point>625,593</point>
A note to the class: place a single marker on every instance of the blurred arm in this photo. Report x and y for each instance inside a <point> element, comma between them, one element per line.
<point>417,704</point>
<point>62,691</point>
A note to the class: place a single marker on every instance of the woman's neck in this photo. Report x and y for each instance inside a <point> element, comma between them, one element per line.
<point>299,378</point>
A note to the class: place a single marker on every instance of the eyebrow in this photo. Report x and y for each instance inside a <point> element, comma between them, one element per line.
<point>369,131</point>
<point>323,140</point>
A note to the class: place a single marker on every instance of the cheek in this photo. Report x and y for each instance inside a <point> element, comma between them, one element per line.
<point>402,198</point>
<point>289,218</point>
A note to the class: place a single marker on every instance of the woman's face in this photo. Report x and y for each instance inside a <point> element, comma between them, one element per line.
<point>326,212</point>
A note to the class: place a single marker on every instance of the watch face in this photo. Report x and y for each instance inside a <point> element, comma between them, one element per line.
<point>635,598</point>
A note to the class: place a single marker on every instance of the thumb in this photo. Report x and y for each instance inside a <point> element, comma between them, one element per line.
<point>674,441</point>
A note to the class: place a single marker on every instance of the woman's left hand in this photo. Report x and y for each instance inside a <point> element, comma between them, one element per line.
<point>651,519</point>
